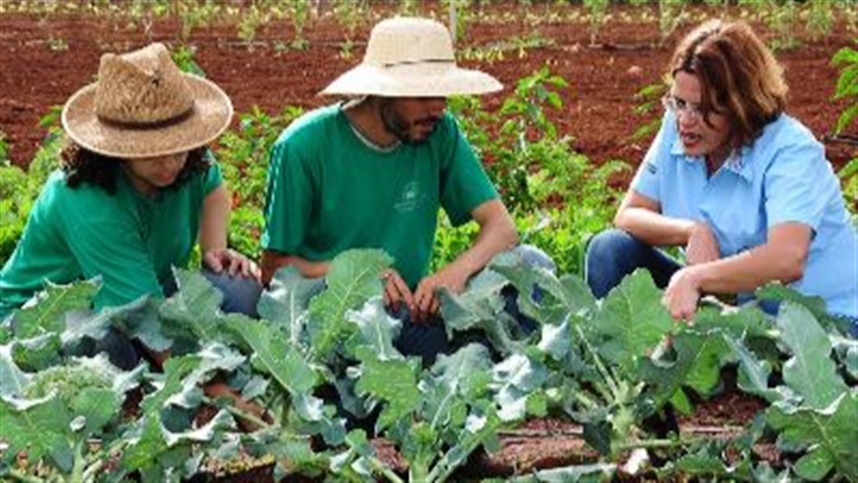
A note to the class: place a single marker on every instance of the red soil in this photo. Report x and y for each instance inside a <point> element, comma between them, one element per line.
<point>47,58</point>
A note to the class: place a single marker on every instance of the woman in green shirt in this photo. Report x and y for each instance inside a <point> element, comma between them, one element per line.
<point>136,191</point>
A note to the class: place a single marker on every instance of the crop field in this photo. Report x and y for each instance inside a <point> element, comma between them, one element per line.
<point>602,390</point>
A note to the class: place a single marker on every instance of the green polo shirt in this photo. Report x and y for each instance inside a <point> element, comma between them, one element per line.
<point>329,191</point>
<point>130,239</point>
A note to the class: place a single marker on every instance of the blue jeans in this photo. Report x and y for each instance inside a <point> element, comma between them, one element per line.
<point>240,295</point>
<point>428,339</point>
<point>613,254</point>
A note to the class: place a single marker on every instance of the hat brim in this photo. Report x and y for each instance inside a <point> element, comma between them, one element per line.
<point>212,113</point>
<point>415,80</point>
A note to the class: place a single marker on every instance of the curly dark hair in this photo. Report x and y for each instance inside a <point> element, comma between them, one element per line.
<point>84,166</point>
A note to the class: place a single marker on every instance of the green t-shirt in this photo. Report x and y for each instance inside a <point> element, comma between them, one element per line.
<point>131,240</point>
<point>328,191</point>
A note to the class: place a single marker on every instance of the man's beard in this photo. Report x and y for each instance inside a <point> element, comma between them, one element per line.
<point>399,128</point>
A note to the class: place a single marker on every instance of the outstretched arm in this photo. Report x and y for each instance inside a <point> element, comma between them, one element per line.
<point>497,234</point>
<point>782,258</point>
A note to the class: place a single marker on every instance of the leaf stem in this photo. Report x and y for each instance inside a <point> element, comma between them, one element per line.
<point>658,443</point>
<point>251,418</point>
<point>18,476</point>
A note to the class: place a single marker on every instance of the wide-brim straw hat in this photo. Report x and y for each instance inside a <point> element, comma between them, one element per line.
<point>411,57</point>
<point>143,106</point>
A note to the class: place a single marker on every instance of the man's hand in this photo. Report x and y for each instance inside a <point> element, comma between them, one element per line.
<point>702,245</point>
<point>426,299</point>
<point>682,294</point>
<point>219,260</point>
<point>396,291</point>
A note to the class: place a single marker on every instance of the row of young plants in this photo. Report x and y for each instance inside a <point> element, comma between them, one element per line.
<point>784,18</point>
<point>322,357</point>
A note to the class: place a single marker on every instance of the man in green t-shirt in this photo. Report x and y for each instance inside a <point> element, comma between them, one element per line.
<point>373,172</point>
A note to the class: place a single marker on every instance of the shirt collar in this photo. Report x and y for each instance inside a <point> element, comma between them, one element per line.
<point>738,162</point>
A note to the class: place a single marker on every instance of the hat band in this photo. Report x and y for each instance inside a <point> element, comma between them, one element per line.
<point>419,61</point>
<point>172,121</point>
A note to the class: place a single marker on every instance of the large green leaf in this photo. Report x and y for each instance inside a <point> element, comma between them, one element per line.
<point>352,279</point>
<point>49,312</point>
<point>215,358</point>
<point>697,363</point>
<point>194,310</point>
<point>514,379</point>
<point>453,383</point>
<point>39,427</point>
<point>828,434</point>
<point>558,296</point>
<point>631,321</point>
<point>481,306</point>
<point>97,406</point>
<point>37,353</point>
<point>145,325</point>
<point>391,380</point>
<point>810,372</point>
<point>287,298</point>
<point>273,354</point>
<point>95,324</point>
<point>175,371</point>
<point>376,329</point>
<point>12,379</point>
<point>555,340</point>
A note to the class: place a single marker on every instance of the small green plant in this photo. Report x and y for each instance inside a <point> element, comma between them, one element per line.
<point>4,148</point>
<point>597,14</point>
<point>847,86</point>
<point>250,22</point>
<point>649,108</point>
<point>671,16</point>
<point>557,197</point>
<point>57,44</point>
<point>781,18</point>
<point>299,11</point>
<point>847,89</point>
<point>184,57</point>
<point>820,18</point>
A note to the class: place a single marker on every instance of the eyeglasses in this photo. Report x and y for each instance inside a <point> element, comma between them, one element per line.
<point>681,107</point>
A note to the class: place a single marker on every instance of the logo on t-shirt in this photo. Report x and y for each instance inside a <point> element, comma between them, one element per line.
<point>409,198</point>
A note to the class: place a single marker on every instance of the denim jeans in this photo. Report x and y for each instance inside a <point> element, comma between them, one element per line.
<point>240,295</point>
<point>428,339</point>
<point>613,254</point>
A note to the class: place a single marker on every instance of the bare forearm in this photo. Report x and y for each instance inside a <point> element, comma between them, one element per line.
<point>271,261</point>
<point>654,228</point>
<point>213,226</point>
<point>749,270</point>
<point>491,240</point>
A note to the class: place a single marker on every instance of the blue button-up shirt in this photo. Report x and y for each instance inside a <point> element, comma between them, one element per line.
<point>783,176</point>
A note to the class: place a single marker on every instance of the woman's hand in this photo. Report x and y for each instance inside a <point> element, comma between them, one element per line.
<point>682,294</point>
<point>225,259</point>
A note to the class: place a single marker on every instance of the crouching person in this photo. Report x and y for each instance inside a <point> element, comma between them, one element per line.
<point>136,191</point>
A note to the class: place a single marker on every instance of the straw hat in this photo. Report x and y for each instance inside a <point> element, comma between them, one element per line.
<point>143,106</point>
<point>411,57</point>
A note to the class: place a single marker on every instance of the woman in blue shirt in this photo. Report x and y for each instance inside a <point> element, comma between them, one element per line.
<point>742,186</point>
